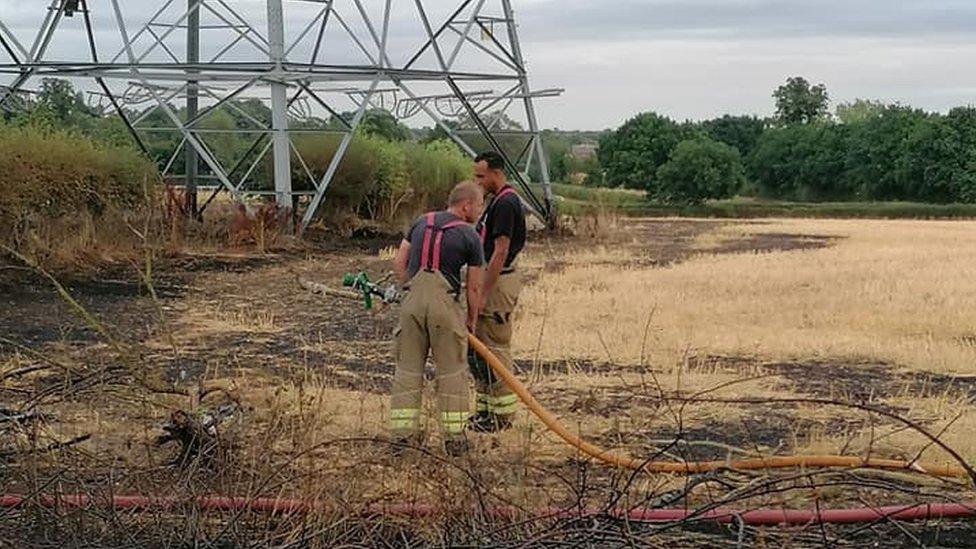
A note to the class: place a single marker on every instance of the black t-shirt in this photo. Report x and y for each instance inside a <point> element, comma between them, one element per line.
<point>460,246</point>
<point>504,217</point>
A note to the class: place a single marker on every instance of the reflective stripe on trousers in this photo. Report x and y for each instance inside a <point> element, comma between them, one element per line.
<point>453,422</point>
<point>504,405</point>
<point>405,419</point>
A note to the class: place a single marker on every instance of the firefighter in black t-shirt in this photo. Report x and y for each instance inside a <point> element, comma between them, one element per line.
<point>502,231</point>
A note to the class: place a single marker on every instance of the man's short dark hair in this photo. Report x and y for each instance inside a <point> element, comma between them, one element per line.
<point>494,160</point>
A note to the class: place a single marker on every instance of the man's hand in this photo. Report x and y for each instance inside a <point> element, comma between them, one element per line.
<point>497,263</point>
<point>475,296</point>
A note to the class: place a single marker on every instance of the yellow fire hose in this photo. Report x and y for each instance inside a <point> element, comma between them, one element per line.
<point>617,460</point>
<point>690,467</point>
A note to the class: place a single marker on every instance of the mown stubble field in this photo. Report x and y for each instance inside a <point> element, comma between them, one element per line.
<point>619,326</point>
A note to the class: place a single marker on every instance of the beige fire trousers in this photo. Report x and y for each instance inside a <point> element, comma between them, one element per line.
<point>494,328</point>
<point>431,321</point>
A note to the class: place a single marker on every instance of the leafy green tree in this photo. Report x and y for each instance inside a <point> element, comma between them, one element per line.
<point>875,153</point>
<point>940,158</point>
<point>900,154</point>
<point>632,155</point>
<point>594,174</point>
<point>376,123</point>
<point>58,106</point>
<point>963,186</point>
<point>226,145</point>
<point>244,113</point>
<point>112,131</point>
<point>741,132</point>
<point>859,110</point>
<point>797,102</point>
<point>39,117</point>
<point>496,120</point>
<point>65,103</point>
<point>160,144</point>
<point>559,157</point>
<point>437,133</point>
<point>806,162</point>
<point>380,123</point>
<point>698,170</point>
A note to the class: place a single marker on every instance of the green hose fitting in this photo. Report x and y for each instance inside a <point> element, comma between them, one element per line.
<point>360,283</point>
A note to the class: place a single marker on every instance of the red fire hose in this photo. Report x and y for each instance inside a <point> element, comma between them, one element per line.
<point>756,517</point>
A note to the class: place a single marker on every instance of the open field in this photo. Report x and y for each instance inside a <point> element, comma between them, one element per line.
<point>763,322</point>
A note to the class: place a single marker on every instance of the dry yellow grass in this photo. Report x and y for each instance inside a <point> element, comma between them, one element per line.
<point>314,392</point>
<point>901,292</point>
<point>951,419</point>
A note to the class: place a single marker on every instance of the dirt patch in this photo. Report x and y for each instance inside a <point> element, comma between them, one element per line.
<point>647,242</point>
<point>364,240</point>
<point>867,382</point>
<point>655,243</point>
<point>775,242</point>
<point>217,263</point>
<point>37,315</point>
<point>758,431</point>
<point>854,382</point>
<point>116,295</point>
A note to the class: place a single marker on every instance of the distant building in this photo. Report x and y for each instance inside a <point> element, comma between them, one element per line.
<point>584,151</point>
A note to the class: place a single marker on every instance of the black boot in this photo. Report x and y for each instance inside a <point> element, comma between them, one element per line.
<point>482,422</point>
<point>457,447</point>
<point>487,422</point>
<point>503,423</point>
<point>479,418</point>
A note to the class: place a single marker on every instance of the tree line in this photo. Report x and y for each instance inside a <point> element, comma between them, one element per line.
<point>864,151</point>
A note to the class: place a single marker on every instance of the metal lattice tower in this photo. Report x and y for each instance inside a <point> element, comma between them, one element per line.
<point>455,64</point>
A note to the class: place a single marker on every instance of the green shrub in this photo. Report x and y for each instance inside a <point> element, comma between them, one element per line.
<point>698,170</point>
<point>64,198</point>
<point>54,174</point>
<point>355,178</point>
<point>383,180</point>
<point>433,169</point>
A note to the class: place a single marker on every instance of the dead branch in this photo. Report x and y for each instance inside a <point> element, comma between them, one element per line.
<point>49,448</point>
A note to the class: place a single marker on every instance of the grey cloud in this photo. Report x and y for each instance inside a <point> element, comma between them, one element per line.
<point>685,58</point>
<point>628,19</point>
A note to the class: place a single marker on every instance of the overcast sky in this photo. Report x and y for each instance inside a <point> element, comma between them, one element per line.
<point>700,58</point>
